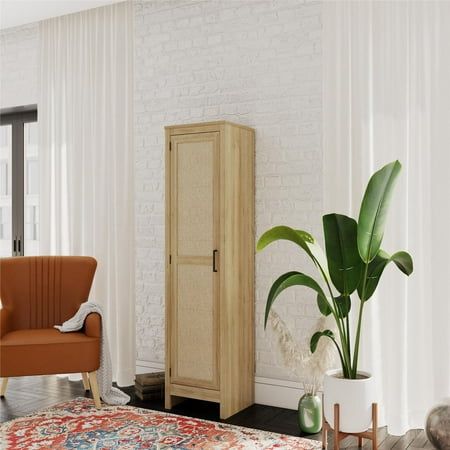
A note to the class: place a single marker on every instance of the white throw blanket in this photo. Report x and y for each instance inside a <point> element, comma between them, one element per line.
<point>108,393</point>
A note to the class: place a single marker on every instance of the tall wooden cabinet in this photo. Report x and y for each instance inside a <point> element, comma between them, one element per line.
<point>210,264</point>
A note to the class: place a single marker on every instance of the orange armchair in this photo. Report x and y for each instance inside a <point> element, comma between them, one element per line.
<point>36,294</point>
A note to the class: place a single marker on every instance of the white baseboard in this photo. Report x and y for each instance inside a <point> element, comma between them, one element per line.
<point>146,366</point>
<point>268,391</point>
<point>281,393</point>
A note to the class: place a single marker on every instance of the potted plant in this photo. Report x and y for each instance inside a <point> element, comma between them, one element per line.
<point>352,265</point>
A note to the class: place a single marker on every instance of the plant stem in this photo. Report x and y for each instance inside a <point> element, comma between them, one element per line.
<point>354,367</point>
<point>345,344</point>
<point>342,336</point>
<point>344,369</point>
<point>348,331</point>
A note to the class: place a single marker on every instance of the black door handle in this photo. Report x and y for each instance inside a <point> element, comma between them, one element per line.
<point>214,260</point>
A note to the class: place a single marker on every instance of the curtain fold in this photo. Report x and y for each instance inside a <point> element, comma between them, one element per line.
<point>386,96</point>
<point>86,148</point>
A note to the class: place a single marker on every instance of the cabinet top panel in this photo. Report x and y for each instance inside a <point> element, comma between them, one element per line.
<point>218,123</point>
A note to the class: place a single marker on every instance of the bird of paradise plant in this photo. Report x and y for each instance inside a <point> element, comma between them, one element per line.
<point>353,262</point>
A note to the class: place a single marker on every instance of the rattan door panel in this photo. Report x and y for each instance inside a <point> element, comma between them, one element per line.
<point>194,237</point>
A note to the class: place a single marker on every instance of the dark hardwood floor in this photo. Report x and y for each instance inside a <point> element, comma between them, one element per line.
<point>29,394</point>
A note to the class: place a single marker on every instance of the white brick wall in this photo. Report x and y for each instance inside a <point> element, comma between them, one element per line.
<point>254,62</point>
<point>19,66</point>
<point>250,61</point>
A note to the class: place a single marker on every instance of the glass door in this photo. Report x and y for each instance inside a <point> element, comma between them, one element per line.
<point>31,190</point>
<point>6,243</point>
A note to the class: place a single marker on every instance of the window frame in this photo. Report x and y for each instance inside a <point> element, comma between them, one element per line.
<point>17,118</point>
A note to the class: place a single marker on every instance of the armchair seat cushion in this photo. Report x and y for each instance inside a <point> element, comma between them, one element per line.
<point>47,351</point>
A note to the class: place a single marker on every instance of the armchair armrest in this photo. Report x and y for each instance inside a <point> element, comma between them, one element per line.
<point>5,325</point>
<point>93,325</point>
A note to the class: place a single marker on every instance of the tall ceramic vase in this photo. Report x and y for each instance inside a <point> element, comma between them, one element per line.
<point>355,398</point>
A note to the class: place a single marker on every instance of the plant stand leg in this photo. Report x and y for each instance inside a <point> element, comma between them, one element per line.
<point>324,429</point>
<point>336,426</point>
<point>324,438</point>
<point>338,435</point>
<point>374,425</point>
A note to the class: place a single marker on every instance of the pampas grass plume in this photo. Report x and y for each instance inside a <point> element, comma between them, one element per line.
<point>303,364</point>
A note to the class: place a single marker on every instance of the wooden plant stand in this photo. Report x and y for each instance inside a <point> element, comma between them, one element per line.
<point>339,435</point>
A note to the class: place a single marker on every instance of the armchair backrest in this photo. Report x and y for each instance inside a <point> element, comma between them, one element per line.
<point>42,291</point>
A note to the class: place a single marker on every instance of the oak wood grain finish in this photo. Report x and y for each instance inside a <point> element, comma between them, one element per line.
<point>203,127</point>
<point>209,317</point>
<point>196,392</point>
<point>237,276</point>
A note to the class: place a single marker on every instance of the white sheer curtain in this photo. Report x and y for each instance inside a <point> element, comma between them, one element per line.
<point>387,97</point>
<point>86,125</point>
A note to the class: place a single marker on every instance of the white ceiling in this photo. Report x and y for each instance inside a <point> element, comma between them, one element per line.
<point>21,12</point>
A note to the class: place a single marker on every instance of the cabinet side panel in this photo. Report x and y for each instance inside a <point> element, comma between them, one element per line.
<point>237,301</point>
<point>247,272</point>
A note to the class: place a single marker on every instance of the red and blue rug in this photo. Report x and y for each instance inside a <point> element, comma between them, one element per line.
<point>77,424</point>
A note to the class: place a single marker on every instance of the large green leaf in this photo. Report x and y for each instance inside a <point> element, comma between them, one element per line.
<point>299,237</point>
<point>403,261</point>
<point>291,279</point>
<point>329,334</point>
<point>316,337</point>
<point>376,268</point>
<point>344,304</point>
<point>323,305</point>
<point>282,232</point>
<point>374,208</point>
<point>344,262</point>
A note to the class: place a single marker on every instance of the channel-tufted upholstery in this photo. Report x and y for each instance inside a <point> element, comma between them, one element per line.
<point>37,293</point>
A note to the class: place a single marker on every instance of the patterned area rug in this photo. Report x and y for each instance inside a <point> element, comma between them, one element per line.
<point>79,425</point>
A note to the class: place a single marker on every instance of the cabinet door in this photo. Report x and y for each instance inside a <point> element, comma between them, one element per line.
<point>194,253</point>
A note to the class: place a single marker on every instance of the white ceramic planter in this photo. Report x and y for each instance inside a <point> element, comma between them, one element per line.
<point>355,398</point>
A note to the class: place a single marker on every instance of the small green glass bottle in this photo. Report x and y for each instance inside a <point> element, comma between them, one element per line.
<point>310,413</point>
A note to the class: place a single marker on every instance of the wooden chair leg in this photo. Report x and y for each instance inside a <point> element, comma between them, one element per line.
<point>94,389</point>
<point>85,381</point>
<point>3,387</point>
<point>336,426</point>
<point>360,441</point>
